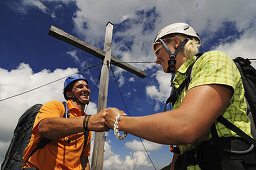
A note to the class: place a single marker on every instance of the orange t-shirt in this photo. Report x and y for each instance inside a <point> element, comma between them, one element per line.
<point>58,154</point>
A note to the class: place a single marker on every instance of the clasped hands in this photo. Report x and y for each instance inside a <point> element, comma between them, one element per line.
<point>104,120</point>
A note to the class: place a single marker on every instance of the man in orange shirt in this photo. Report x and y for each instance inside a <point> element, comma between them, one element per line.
<point>70,138</point>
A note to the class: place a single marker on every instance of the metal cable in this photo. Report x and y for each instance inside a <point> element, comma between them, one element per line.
<point>138,62</point>
<point>94,89</point>
<point>46,84</point>
<point>129,115</point>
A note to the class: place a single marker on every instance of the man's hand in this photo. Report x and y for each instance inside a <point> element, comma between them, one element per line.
<point>97,122</point>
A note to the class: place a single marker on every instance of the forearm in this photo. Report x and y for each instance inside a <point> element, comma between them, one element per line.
<point>198,111</point>
<point>164,128</point>
<point>56,128</point>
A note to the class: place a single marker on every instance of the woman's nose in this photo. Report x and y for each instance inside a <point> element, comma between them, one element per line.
<point>157,61</point>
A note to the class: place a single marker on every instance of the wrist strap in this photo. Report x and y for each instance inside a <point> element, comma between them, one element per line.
<point>116,130</point>
<point>85,122</point>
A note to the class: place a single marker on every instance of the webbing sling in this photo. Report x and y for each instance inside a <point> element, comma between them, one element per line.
<point>174,94</point>
<point>235,129</point>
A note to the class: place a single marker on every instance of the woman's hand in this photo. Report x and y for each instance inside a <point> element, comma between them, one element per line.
<point>110,116</point>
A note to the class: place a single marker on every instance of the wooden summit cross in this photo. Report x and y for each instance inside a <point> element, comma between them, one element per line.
<point>99,140</point>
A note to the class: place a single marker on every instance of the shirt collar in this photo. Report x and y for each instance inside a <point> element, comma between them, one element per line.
<point>183,68</point>
<point>72,107</point>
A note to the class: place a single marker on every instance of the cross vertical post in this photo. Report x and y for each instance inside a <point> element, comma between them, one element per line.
<point>99,140</point>
<point>98,150</point>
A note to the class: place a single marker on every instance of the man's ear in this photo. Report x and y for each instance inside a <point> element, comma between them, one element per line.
<point>69,94</point>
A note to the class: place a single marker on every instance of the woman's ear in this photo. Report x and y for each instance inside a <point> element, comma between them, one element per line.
<point>176,42</point>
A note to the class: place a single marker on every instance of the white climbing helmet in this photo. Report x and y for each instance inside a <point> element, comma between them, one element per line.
<point>177,28</point>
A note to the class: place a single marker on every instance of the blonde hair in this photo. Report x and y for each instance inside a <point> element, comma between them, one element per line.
<point>191,48</point>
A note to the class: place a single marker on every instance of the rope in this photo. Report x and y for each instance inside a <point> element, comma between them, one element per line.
<point>129,115</point>
<point>140,62</point>
<point>94,89</point>
<point>45,84</point>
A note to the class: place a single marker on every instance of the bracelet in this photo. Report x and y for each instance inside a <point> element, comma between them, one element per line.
<point>85,117</point>
<point>116,130</point>
<point>85,122</point>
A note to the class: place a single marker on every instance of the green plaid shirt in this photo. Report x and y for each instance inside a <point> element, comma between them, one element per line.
<point>216,67</point>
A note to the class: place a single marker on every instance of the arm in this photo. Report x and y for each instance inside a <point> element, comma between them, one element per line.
<point>58,127</point>
<point>197,112</point>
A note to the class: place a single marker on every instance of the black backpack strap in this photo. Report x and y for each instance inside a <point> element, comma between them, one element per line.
<point>45,141</point>
<point>40,145</point>
<point>248,73</point>
<point>174,96</point>
<point>235,129</point>
<point>86,135</point>
<point>176,92</point>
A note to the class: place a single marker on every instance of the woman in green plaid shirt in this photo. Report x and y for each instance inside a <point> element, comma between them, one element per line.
<point>215,89</point>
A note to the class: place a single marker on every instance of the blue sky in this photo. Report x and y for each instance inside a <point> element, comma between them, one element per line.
<point>31,58</point>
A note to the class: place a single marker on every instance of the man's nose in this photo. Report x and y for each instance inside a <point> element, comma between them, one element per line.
<point>86,88</point>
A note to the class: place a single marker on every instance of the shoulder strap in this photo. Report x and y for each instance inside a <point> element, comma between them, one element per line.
<point>45,141</point>
<point>235,129</point>
<point>176,92</point>
<point>174,96</point>
<point>67,113</point>
<point>248,73</point>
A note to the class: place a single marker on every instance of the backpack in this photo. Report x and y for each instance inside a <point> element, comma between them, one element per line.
<point>21,138</point>
<point>213,154</point>
<point>248,75</point>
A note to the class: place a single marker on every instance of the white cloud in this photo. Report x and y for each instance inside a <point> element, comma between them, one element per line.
<point>121,81</point>
<point>205,16</point>
<point>23,6</point>
<point>157,106</point>
<point>27,4</point>
<point>138,146</point>
<point>77,60</point>
<point>133,160</point>
<point>131,79</point>
<point>93,16</point>
<point>242,47</point>
<point>3,149</point>
<point>91,109</point>
<point>73,54</point>
<point>162,91</point>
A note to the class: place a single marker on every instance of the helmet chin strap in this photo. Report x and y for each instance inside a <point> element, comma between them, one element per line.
<point>172,60</point>
<point>77,100</point>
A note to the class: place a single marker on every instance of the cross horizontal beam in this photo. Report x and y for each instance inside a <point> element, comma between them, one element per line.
<point>61,35</point>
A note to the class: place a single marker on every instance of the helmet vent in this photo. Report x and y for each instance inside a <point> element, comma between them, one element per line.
<point>186,27</point>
